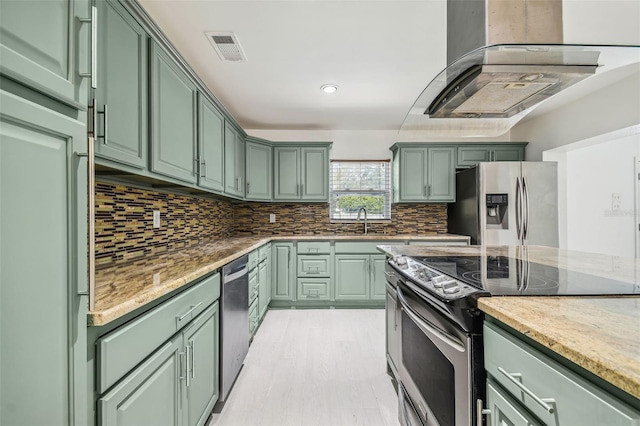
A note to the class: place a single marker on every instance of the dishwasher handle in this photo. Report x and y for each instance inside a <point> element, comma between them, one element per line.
<point>235,275</point>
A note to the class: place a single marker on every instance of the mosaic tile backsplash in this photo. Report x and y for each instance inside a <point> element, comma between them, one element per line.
<point>124,221</point>
<point>313,219</point>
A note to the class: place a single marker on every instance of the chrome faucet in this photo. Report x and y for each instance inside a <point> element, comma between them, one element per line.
<point>362,209</point>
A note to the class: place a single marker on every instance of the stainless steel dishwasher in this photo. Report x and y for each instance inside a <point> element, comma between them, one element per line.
<point>234,324</point>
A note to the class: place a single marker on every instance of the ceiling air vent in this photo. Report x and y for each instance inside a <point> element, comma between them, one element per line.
<point>227,46</point>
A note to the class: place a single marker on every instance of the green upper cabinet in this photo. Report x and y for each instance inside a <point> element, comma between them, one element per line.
<point>424,174</point>
<point>233,162</point>
<point>469,155</point>
<point>211,146</point>
<point>258,170</point>
<point>301,173</point>
<point>121,97</point>
<point>45,45</point>
<point>173,118</point>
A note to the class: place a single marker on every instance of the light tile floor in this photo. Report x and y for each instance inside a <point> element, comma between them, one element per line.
<point>322,367</point>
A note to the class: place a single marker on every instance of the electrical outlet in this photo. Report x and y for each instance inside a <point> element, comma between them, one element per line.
<point>616,201</point>
<point>156,218</point>
<point>272,218</point>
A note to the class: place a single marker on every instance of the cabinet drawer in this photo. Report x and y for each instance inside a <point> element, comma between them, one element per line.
<point>314,265</point>
<point>254,259</point>
<point>314,288</point>
<point>124,348</point>
<point>254,285</point>
<point>314,247</point>
<point>366,247</point>
<point>576,401</point>
<point>262,252</point>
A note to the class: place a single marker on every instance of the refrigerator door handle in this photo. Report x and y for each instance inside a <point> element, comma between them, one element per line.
<point>525,222</point>
<point>518,209</point>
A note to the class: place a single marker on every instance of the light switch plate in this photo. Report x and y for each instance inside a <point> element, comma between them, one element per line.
<point>272,218</point>
<point>156,218</point>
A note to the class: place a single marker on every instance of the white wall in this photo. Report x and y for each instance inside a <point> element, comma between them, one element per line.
<point>601,21</point>
<point>590,172</point>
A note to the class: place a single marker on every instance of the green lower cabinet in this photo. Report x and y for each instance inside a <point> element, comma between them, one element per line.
<point>360,277</point>
<point>504,410</point>
<point>43,163</point>
<point>392,332</point>
<point>150,395</point>
<point>177,385</point>
<point>254,319</point>
<point>264,291</point>
<point>283,272</point>
<point>352,277</point>
<point>201,341</point>
<point>253,285</point>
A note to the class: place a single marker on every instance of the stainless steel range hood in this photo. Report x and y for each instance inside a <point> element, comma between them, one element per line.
<point>487,91</point>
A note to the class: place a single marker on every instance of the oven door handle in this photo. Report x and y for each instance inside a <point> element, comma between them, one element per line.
<point>427,327</point>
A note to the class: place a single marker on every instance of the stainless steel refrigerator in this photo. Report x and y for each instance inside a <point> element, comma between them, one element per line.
<point>507,203</point>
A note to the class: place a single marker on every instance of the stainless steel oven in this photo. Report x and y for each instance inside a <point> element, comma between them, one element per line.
<point>441,367</point>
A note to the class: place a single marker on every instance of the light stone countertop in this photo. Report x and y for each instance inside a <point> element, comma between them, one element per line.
<point>123,287</point>
<point>600,334</point>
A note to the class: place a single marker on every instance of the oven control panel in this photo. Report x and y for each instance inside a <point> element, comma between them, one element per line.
<point>431,280</point>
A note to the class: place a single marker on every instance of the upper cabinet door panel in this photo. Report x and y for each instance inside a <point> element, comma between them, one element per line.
<point>314,174</point>
<point>413,186</point>
<point>122,65</point>
<point>286,168</point>
<point>211,136</point>
<point>442,183</point>
<point>508,154</point>
<point>39,45</point>
<point>259,174</point>
<point>173,118</point>
<point>471,155</point>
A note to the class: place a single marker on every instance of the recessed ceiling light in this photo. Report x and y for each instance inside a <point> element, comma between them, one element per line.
<point>329,88</point>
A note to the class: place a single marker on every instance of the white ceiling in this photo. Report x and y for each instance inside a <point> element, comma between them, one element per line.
<point>381,54</point>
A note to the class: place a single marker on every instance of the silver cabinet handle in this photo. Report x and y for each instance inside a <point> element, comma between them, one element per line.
<point>93,74</point>
<point>544,403</point>
<point>480,411</point>
<point>425,190</point>
<point>429,191</point>
<point>181,377</point>
<point>193,359</point>
<point>518,208</point>
<point>248,190</point>
<point>105,120</point>
<point>186,314</point>
<point>188,368</point>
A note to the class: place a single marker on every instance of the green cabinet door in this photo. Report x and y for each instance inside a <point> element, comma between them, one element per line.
<point>283,273</point>
<point>508,153</point>
<point>121,96</point>
<point>151,394</point>
<point>42,264</point>
<point>201,350</point>
<point>263,288</point>
<point>378,280</point>
<point>413,178</point>
<point>393,340</point>
<point>314,174</point>
<point>471,155</point>
<point>286,165</point>
<point>173,118</point>
<point>258,171</point>
<point>352,277</point>
<point>44,45</point>
<point>211,146</point>
<point>441,182</point>
<point>233,162</point>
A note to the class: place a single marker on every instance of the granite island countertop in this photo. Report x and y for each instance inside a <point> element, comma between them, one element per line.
<point>123,287</point>
<point>600,334</point>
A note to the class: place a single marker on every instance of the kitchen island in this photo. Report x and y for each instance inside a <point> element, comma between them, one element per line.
<point>599,335</point>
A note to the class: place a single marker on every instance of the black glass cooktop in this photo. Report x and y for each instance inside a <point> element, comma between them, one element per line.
<point>501,275</point>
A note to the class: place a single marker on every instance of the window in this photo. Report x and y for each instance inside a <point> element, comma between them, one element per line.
<point>357,184</point>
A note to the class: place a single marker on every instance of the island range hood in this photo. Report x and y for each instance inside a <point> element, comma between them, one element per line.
<point>487,91</point>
